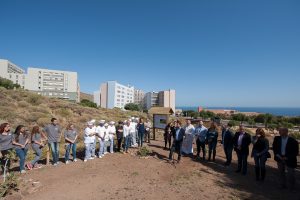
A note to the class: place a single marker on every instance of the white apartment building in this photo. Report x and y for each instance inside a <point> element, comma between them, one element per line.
<point>53,83</point>
<point>113,94</point>
<point>12,72</point>
<point>97,97</point>
<point>139,96</point>
<point>163,99</point>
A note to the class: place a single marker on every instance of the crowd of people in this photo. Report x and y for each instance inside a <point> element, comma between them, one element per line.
<point>285,148</point>
<point>134,132</point>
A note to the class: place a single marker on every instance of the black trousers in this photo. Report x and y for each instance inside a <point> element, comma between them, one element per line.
<point>119,140</point>
<point>176,147</point>
<point>242,162</point>
<point>228,154</point>
<point>200,146</point>
<point>4,159</point>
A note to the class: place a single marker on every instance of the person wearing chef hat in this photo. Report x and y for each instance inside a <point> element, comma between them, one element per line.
<point>100,130</point>
<point>106,137</point>
<point>93,121</point>
<point>89,137</point>
<point>112,133</point>
<point>133,132</point>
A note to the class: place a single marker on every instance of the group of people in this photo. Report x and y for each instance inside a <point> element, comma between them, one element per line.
<point>133,131</point>
<point>285,148</point>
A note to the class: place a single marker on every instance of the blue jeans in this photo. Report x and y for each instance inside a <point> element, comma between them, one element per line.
<point>21,153</point>
<point>55,151</point>
<point>94,148</point>
<point>127,141</point>
<point>141,139</point>
<point>68,149</point>
<point>111,145</point>
<point>102,147</point>
<point>88,150</point>
<point>38,154</point>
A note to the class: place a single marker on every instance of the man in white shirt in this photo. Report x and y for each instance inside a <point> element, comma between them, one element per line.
<point>133,132</point>
<point>126,135</point>
<point>187,144</point>
<point>100,130</point>
<point>112,133</point>
<point>89,137</point>
<point>93,121</point>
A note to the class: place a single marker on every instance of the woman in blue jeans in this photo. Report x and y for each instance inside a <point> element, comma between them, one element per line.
<point>71,140</point>
<point>20,143</point>
<point>37,143</point>
<point>212,139</point>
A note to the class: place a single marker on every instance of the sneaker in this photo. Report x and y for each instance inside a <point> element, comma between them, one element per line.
<point>23,172</point>
<point>55,164</point>
<point>37,166</point>
<point>91,158</point>
<point>105,153</point>
<point>100,157</point>
<point>29,166</point>
<point>85,160</point>
<point>67,162</point>
<point>75,160</point>
<point>112,152</point>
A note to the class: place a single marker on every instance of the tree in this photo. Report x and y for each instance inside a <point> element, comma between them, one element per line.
<point>88,103</point>
<point>132,107</point>
<point>240,117</point>
<point>8,84</point>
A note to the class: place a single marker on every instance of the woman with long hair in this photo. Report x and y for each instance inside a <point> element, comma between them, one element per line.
<point>20,143</point>
<point>37,139</point>
<point>71,140</point>
<point>260,153</point>
<point>6,146</point>
<point>212,140</point>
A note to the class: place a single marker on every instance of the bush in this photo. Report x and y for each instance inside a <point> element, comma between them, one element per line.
<point>10,185</point>
<point>144,151</point>
<point>8,84</point>
<point>23,104</point>
<point>88,103</point>
<point>132,107</point>
<point>295,135</point>
<point>233,123</point>
<point>34,99</point>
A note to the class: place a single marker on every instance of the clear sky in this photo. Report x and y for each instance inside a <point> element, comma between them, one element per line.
<point>212,52</point>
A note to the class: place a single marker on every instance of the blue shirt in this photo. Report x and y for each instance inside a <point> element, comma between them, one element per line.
<point>201,133</point>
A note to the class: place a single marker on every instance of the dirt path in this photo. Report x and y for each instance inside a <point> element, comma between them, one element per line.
<point>119,176</point>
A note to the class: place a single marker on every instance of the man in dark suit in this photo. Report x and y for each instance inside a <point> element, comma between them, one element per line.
<point>227,141</point>
<point>285,150</point>
<point>241,142</point>
<point>178,136</point>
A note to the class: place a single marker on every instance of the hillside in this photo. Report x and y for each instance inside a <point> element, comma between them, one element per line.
<point>26,108</point>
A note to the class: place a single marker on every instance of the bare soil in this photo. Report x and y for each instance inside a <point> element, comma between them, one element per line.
<point>119,176</point>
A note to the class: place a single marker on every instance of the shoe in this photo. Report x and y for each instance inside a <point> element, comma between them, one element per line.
<point>105,153</point>
<point>67,162</point>
<point>29,166</point>
<point>55,164</point>
<point>37,166</point>
<point>112,152</point>
<point>100,157</point>
<point>91,158</point>
<point>23,172</point>
<point>85,160</point>
<point>75,160</point>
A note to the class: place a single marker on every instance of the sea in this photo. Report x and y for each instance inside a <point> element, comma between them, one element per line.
<point>291,112</point>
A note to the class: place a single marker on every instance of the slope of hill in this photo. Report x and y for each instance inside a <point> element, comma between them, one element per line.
<point>27,108</point>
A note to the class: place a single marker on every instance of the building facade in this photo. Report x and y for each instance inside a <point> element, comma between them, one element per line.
<point>139,96</point>
<point>151,100</point>
<point>12,72</point>
<point>113,94</point>
<point>167,99</point>
<point>53,83</point>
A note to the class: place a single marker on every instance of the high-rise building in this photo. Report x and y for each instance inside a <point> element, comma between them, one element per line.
<point>53,83</point>
<point>97,97</point>
<point>113,94</point>
<point>12,72</point>
<point>151,100</point>
<point>139,96</point>
<point>167,99</point>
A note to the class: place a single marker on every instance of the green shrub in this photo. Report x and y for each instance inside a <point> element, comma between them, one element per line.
<point>88,103</point>
<point>34,99</point>
<point>8,84</point>
<point>11,184</point>
<point>23,104</point>
<point>144,151</point>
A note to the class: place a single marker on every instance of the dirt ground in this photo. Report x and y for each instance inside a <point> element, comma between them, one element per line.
<point>118,176</point>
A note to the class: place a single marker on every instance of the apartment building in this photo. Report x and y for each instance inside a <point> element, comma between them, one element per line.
<point>12,72</point>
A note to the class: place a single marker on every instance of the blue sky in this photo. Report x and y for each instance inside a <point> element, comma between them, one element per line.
<point>214,53</point>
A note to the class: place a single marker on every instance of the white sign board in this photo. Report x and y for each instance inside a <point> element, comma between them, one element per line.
<point>160,121</point>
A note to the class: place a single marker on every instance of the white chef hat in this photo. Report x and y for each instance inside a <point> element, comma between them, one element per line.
<point>90,123</point>
<point>93,121</point>
<point>132,118</point>
<point>102,121</point>
<point>106,124</point>
<point>111,122</point>
<point>129,120</point>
